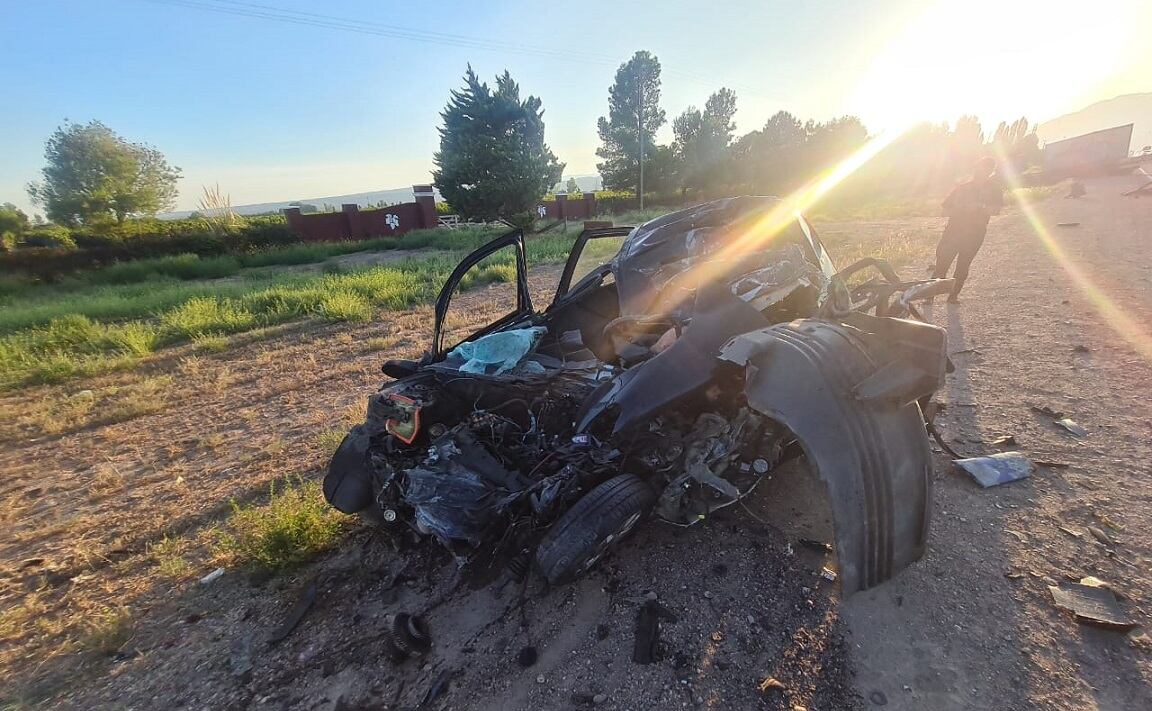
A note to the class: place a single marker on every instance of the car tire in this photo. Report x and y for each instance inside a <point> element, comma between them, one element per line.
<point>596,523</point>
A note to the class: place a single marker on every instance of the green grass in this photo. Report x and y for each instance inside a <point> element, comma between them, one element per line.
<point>110,327</point>
<point>53,335</point>
<point>192,267</point>
<point>295,525</point>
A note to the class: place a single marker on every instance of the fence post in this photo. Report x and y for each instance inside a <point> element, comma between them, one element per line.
<point>353,221</point>
<point>295,221</point>
<point>589,205</point>
<point>562,208</point>
<point>426,199</point>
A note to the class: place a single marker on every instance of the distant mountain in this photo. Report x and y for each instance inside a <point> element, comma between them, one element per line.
<point>1129,108</point>
<point>387,197</point>
<point>587,183</point>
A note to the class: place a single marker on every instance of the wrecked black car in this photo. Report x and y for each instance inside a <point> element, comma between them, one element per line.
<point>666,382</point>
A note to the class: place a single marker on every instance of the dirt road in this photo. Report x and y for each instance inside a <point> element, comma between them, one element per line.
<point>973,625</point>
<point>970,626</point>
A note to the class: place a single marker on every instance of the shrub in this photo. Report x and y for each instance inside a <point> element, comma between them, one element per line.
<point>345,306</point>
<point>49,236</point>
<point>204,316</point>
<point>294,526</point>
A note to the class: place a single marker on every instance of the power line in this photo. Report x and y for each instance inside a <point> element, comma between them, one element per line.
<point>333,22</point>
<point>267,12</point>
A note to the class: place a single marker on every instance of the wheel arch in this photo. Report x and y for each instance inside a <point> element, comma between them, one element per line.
<point>869,449</point>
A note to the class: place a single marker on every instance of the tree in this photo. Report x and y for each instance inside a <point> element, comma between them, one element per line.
<point>702,140</point>
<point>493,162</point>
<point>94,175</point>
<point>12,220</point>
<point>770,161</point>
<point>572,187</point>
<point>633,102</point>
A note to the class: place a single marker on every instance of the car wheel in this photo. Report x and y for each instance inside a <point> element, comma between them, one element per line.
<point>596,523</point>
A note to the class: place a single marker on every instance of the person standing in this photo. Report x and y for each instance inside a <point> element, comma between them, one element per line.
<point>968,208</point>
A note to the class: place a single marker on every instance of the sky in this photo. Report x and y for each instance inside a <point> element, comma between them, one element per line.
<point>345,97</point>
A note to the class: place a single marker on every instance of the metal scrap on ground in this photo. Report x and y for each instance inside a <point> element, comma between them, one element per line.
<point>1091,602</point>
<point>996,469</point>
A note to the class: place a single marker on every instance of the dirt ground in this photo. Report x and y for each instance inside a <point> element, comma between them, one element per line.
<point>88,506</point>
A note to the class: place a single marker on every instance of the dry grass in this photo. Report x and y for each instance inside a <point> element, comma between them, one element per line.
<point>328,440</point>
<point>62,412</point>
<point>168,554</point>
<point>107,630</point>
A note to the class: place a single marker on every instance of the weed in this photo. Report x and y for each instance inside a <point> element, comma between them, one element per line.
<point>107,630</point>
<point>345,306</point>
<point>168,556</point>
<point>204,316</point>
<point>328,440</point>
<point>294,526</point>
<point>107,480</point>
<point>211,344</point>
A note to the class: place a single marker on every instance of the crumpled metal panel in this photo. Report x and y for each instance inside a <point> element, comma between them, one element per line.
<point>872,453</point>
<point>658,257</point>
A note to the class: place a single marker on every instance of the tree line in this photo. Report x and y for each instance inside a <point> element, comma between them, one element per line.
<point>707,159</point>
<point>494,164</point>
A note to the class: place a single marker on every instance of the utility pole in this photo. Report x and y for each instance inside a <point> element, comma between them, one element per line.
<point>640,131</point>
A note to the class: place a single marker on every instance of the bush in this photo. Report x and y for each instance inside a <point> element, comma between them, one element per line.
<point>293,527</point>
<point>49,236</point>
<point>345,306</point>
<point>205,316</point>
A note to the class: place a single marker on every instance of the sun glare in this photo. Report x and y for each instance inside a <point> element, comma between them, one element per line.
<point>998,60</point>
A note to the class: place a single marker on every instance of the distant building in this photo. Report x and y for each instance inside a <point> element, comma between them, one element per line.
<point>1090,153</point>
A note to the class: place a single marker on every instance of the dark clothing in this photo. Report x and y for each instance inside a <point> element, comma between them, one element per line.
<point>962,246</point>
<point>968,208</point>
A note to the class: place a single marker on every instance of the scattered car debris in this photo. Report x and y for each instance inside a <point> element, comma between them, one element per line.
<point>1004,441</point>
<point>527,656</point>
<point>438,688</point>
<point>646,648</point>
<point>828,574</point>
<point>408,636</point>
<point>816,545</point>
<point>996,469</point>
<point>240,656</point>
<point>668,382</point>
<point>212,577</point>
<point>1145,189</point>
<point>1072,427</point>
<point>299,610</point>
<point>1091,602</point>
<point>1048,411</point>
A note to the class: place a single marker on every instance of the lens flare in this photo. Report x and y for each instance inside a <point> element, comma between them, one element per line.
<point>760,234</point>
<point>1128,328</point>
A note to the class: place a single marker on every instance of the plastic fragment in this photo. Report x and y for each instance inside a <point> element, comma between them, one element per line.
<point>996,469</point>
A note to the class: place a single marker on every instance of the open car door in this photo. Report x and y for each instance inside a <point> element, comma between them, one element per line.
<point>482,266</point>
<point>591,252</point>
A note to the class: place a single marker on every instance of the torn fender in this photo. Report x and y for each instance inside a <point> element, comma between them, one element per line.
<point>872,453</point>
